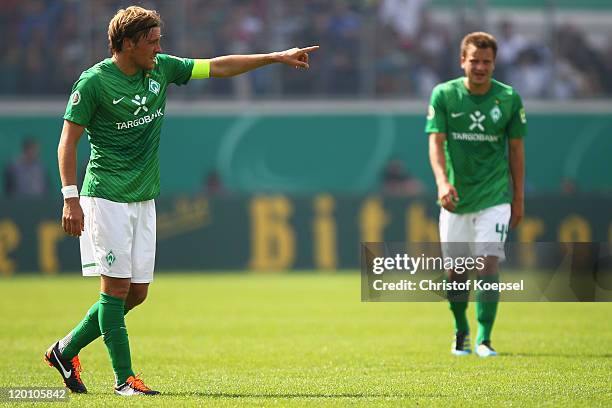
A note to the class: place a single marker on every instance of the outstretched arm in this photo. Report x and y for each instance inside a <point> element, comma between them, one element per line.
<point>517,170</point>
<point>230,65</point>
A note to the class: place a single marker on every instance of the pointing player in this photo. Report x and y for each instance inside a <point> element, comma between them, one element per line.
<point>120,102</point>
<point>476,127</point>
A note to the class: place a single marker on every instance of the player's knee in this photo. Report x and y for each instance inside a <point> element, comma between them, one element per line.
<point>135,299</point>
<point>117,292</point>
<point>140,298</point>
<point>491,266</point>
<point>116,287</point>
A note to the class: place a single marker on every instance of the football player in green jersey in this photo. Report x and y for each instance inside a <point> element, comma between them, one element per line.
<point>476,127</point>
<point>120,103</point>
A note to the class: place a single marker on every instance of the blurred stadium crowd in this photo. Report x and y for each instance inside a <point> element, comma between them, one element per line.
<point>369,48</point>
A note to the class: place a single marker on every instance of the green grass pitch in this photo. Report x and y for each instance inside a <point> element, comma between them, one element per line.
<point>307,340</point>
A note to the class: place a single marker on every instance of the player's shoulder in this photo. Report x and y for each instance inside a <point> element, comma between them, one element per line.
<point>166,57</point>
<point>94,74</point>
<point>501,88</point>
<point>100,68</point>
<point>449,86</point>
<point>165,63</point>
<point>447,89</point>
<point>169,59</point>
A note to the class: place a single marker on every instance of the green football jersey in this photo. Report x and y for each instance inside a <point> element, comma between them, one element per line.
<point>477,129</point>
<point>123,116</point>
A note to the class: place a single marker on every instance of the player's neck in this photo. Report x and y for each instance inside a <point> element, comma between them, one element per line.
<point>124,64</point>
<point>476,89</point>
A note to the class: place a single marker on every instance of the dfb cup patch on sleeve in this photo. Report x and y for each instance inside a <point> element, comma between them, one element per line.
<point>75,98</point>
<point>431,112</point>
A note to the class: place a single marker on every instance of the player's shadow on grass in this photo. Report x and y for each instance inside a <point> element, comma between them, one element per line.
<point>565,355</point>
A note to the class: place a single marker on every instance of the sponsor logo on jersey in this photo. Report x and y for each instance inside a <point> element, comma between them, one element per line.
<point>495,114</point>
<point>457,114</point>
<point>116,101</point>
<point>154,86</point>
<point>140,121</point>
<point>523,117</point>
<point>140,102</point>
<point>474,137</point>
<point>477,119</point>
<point>75,98</point>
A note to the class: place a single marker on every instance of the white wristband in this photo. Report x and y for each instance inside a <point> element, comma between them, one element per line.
<point>70,192</point>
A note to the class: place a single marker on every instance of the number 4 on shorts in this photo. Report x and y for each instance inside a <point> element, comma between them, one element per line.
<point>502,230</point>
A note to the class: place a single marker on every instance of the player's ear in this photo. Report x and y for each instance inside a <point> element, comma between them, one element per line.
<point>128,44</point>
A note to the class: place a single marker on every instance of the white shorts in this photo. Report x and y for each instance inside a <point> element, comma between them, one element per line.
<point>482,233</point>
<point>119,239</point>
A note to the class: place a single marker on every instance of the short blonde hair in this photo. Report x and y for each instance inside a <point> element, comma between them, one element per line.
<point>134,23</point>
<point>479,39</point>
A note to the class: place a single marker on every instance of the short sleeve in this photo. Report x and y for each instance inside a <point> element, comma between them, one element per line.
<point>83,100</point>
<point>517,128</point>
<point>177,70</point>
<point>436,112</point>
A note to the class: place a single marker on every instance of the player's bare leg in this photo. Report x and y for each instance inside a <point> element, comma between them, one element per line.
<point>136,295</point>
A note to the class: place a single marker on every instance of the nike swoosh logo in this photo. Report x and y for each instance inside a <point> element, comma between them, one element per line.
<point>456,115</point>
<point>116,101</point>
<point>64,372</point>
